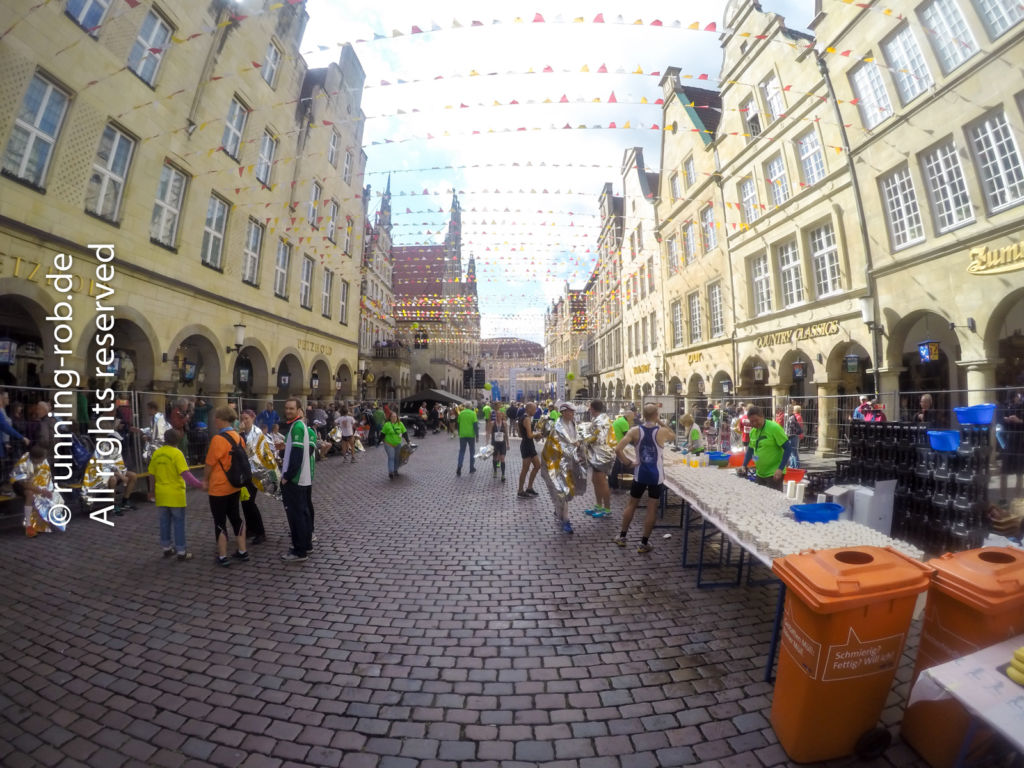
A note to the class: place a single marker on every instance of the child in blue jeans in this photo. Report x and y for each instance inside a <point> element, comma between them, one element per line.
<point>170,471</point>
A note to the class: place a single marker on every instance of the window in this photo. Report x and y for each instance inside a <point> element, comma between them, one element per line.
<point>332,219</point>
<point>689,173</point>
<point>640,236</point>
<point>778,184</point>
<point>708,235</point>
<point>677,324</point>
<point>748,200</point>
<point>234,126</point>
<point>314,204</point>
<point>268,148</point>
<point>251,253</point>
<point>636,291</point>
<point>907,64</point>
<point>643,332</point>
<point>88,13</point>
<point>281,267</point>
<point>109,170</point>
<point>672,251</point>
<point>689,243</point>
<point>872,98</point>
<point>271,63</point>
<point>790,274</point>
<point>643,281</point>
<point>949,34</point>
<point>751,119</point>
<point>951,204</point>
<point>343,305</point>
<point>761,281</point>
<point>715,310</point>
<point>148,50</point>
<point>999,15</point>
<point>35,131</point>
<point>901,208</point>
<point>998,161</point>
<point>654,332</point>
<point>213,232</point>
<point>346,171</point>
<point>773,98</point>
<point>347,246</point>
<point>170,194</point>
<point>629,341</point>
<point>812,161</point>
<point>306,283</point>
<point>650,275</point>
<point>332,149</point>
<point>825,257</point>
<point>693,305</point>
<point>677,191</point>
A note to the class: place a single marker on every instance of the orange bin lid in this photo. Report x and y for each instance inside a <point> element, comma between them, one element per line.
<point>832,580</point>
<point>989,579</point>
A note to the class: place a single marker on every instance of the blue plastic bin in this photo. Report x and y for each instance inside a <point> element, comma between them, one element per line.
<point>816,513</point>
<point>976,414</point>
<point>944,439</point>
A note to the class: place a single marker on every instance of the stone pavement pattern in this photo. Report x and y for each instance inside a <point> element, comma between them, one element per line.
<point>440,622</point>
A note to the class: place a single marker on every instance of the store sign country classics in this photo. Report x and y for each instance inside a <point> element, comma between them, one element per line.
<point>803,333</point>
<point>985,261</point>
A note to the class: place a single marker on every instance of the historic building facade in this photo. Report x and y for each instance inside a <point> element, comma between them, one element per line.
<point>565,341</point>
<point>203,188</point>
<point>511,361</point>
<point>602,366</point>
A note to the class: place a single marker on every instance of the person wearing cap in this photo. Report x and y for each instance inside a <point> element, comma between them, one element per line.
<point>858,412</point>
<point>564,463</point>
<point>650,438</point>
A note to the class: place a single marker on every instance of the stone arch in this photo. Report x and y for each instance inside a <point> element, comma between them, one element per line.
<point>1003,338</point>
<point>426,382</point>
<point>23,310</point>
<point>902,352</point>
<point>343,383</point>
<point>722,385</point>
<point>748,380</point>
<point>787,372</point>
<point>648,389</point>
<point>695,386</point>
<point>321,372</point>
<point>250,375</point>
<point>629,393</point>
<point>675,386</point>
<point>289,375</point>
<point>619,390</point>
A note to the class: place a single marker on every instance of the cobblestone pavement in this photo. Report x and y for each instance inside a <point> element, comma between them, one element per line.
<point>440,622</point>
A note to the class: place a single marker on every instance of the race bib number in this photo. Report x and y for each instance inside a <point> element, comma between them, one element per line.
<point>499,437</point>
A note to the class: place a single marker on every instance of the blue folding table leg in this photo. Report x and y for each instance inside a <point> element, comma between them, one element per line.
<point>776,629</point>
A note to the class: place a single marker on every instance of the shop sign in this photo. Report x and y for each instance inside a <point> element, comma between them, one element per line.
<point>803,333</point>
<point>992,262</point>
<point>645,368</point>
<point>312,346</point>
<point>695,357</point>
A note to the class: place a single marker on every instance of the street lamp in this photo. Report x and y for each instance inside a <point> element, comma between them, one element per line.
<point>877,330</point>
<point>239,339</point>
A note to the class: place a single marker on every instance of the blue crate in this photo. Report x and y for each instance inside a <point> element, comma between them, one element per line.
<point>976,414</point>
<point>944,439</point>
<point>816,513</point>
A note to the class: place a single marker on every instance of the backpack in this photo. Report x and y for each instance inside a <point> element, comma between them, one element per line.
<point>239,470</point>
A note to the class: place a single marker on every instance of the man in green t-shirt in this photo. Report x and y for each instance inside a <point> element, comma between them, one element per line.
<point>467,438</point>
<point>376,424</point>
<point>487,413</point>
<point>769,442</point>
<point>622,425</point>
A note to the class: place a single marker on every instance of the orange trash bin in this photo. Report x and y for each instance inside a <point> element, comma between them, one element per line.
<point>976,600</point>
<point>844,626</point>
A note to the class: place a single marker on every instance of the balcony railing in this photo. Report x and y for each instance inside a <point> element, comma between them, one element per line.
<point>391,349</point>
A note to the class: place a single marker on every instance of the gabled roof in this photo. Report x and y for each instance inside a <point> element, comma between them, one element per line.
<point>418,271</point>
<point>706,111</point>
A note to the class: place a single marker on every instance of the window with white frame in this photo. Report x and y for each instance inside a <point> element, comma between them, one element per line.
<point>251,253</point>
<point>315,191</point>
<point>998,158</point>
<point>907,64</point>
<point>653,322</point>
<point>332,149</point>
<point>951,203</point>
<point>949,34</point>
<point>234,127</point>
<point>347,244</point>
<point>761,283</point>
<point>629,341</point>
<point>715,310</point>
<point>271,63</point>
<point>268,148</point>
<point>778,183</point>
<point>213,232</point>
<point>748,200</point>
<point>148,50</point>
<point>636,290</point>
<point>772,93</point>
<point>281,266</point>
<point>346,171</point>
<point>791,277</point>
<point>825,258</point>
<point>332,219</point>
<point>105,190</point>
<point>343,301</point>
<point>751,119</point>
<point>812,159</point>
<point>643,332</point>
<point>650,275</point>
<point>674,187</point>
<point>999,15</point>
<point>677,323</point>
<point>88,13</point>
<point>708,234</point>
<point>36,126</point>
<point>689,173</point>
<point>901,208</point>
<point>170,194</point>
<point>643,281</point>
<point>306,283</point>
<point>872,98</point>
<point>689,243</point>
<point>672,252</point>
<point>693,305</point>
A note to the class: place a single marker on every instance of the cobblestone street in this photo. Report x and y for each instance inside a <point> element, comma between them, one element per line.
<point>441,621</point>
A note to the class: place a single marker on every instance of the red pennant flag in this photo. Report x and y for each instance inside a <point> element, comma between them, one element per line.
<point>416,31</point>
<point>712,27</point>
<point>564,99</point>
<point>513,102</point>
<point>612,125</point>
<point>256,65</point>
<point>612,99</point>
<point>547,69</point>
<point>538,19</point>
<point>602,70</point>
<point>703,77</point>
<point>845,53</point>
<point>599,19</point>
<point>132,3</point>
<point>327,122</point>
<point>656,23</point>
<point>477,24</point>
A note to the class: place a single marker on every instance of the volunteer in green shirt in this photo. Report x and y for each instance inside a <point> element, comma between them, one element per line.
<point>467,438</point>
<point>769,442</point>
<point>393,431</point>
<point>622,424</point>
<point>487,413</point>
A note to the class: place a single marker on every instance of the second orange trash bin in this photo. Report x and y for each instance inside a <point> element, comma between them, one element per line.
<point>845,622</point>
<point>976,600</point>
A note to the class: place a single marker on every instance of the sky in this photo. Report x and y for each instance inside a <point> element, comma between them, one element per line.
<point>515,114</point>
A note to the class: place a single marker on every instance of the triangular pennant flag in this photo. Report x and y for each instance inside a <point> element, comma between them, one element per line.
<point>712,27</point>
<point>612,99</point>
<point>538,19</point>
<point>599,19</point>
<point>602,70</point>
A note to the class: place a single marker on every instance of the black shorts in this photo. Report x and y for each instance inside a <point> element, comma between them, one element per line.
<point>225,509</point>
<point>500,449</point>
<point>636,490</point>
<point>527,448</point>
